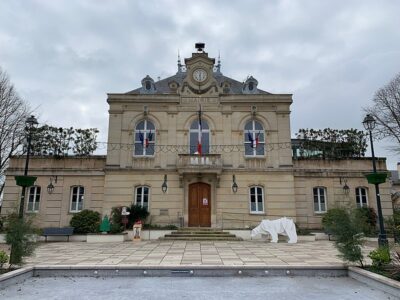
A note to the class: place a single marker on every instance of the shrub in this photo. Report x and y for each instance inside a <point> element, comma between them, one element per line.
<point>86,221</point>
<point>343,225</point>
<point>2,222</point>
<point>138,212</point>
<point>116,220</point>
<point>19,236</point>
<point>366,219</point>
<point>329,221</point>
<point>3,258</point>
<point>393,225</point>
<point>380,257</point>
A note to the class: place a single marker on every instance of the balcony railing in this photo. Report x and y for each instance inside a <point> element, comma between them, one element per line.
<point>196,163</point>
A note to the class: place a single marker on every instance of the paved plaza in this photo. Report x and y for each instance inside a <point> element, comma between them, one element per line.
<point>189,253</point>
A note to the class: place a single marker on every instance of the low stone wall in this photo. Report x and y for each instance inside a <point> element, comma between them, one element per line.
<point>106,238</point>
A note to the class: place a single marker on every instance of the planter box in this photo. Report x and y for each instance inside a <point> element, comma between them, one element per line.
<point>152,234</point>
<point>106,238</point>
<point>376,178</point>
<point>25,181</point>
<point>72,238</point>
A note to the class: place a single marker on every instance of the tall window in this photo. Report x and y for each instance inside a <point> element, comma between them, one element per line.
<point>34,199</point>
<point>254,140</point>
<point>196,135</point>
<point>77,195</point>
<point>145,134</point>
<point>361,197</point>
<point>256,200</point>
<point>142,196</point>
<point>319,199</point>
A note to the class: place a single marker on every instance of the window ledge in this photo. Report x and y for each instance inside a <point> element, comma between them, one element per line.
<point>258,213</point>
<point>319,212</point>
<point>260,157</point>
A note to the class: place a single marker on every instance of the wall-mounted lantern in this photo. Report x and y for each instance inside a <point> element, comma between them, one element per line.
<point>234,184</point>
<point>164,186</point>
<point>346,189</point>
<point>50,187</point>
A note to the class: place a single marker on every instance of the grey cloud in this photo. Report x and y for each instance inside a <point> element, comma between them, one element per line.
<point>64,56</point>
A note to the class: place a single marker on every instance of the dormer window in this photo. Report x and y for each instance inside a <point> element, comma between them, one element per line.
<point>226,87</point>
<point>148,86</point>
<point>250,86</point>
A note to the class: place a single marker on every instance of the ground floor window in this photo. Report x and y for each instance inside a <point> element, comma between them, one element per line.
<point>34,199</point>
<point>77,195</point>
<point>319,199</point>
<point>361,197</point>
<point>256,199</point>
<point>142,196</point>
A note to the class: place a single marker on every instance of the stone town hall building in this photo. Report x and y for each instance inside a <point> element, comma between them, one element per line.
<point>245,172</point>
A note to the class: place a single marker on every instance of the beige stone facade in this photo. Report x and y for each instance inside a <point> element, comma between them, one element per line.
<point>153,134</point>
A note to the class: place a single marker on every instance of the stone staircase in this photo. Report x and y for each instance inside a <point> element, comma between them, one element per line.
<point>200,234</point>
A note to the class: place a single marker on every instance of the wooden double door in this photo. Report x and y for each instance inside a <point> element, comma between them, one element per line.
<point>199,205</point>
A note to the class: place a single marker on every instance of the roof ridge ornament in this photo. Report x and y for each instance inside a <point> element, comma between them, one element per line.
<point>179,63</point>
<point>218,66</point>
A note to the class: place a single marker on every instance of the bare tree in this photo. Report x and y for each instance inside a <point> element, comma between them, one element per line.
<point>386,111</point>
<point>13,113</point>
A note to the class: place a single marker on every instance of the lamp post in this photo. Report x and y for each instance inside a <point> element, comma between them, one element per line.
<point>31,123</point>
<point>369,124</point>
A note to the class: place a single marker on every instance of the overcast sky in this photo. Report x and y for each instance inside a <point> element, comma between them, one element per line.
<point>64,56</point>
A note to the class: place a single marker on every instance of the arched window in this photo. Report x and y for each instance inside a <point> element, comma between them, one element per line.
<point>361,197</point>
<point>77,195</point>
<point>199,134</point>
<point>145,134</point>
<point>142,196</point>
<point>319,194</point>
<point>254,139</point>
<point>34,199</point>
<point>256,194</point>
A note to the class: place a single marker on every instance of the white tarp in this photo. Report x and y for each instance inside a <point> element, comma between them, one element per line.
<point>282,226</point>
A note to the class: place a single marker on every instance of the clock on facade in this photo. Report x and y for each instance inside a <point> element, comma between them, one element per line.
<point>199,75</point>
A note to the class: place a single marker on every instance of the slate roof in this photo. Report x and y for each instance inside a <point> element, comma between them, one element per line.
<point>162,87</point>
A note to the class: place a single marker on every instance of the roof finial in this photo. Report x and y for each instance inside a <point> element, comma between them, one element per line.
<point>179,63</point>
<point>219,62</point>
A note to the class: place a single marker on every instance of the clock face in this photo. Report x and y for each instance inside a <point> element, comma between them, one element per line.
<point>199,75</point>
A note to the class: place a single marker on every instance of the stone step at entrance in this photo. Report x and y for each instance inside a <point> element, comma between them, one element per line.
<point>201,234</point>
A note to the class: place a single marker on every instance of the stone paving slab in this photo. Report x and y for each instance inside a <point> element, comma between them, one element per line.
<point>187,253</point>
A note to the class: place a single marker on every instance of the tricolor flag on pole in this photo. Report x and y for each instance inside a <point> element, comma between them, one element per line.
<point>200,134</point>
<point>148,139</point>
<point>145,138</point>
<point>254,142</point>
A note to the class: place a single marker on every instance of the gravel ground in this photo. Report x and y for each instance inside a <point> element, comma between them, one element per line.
<point>192,288</point>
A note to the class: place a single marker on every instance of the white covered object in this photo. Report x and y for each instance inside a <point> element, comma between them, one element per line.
<point>282,226</point>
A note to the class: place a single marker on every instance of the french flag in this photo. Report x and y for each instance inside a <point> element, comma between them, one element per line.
<point>254,142</point>
<point>145,138</point>
<point>148,139</point>
<point>200,134</point>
